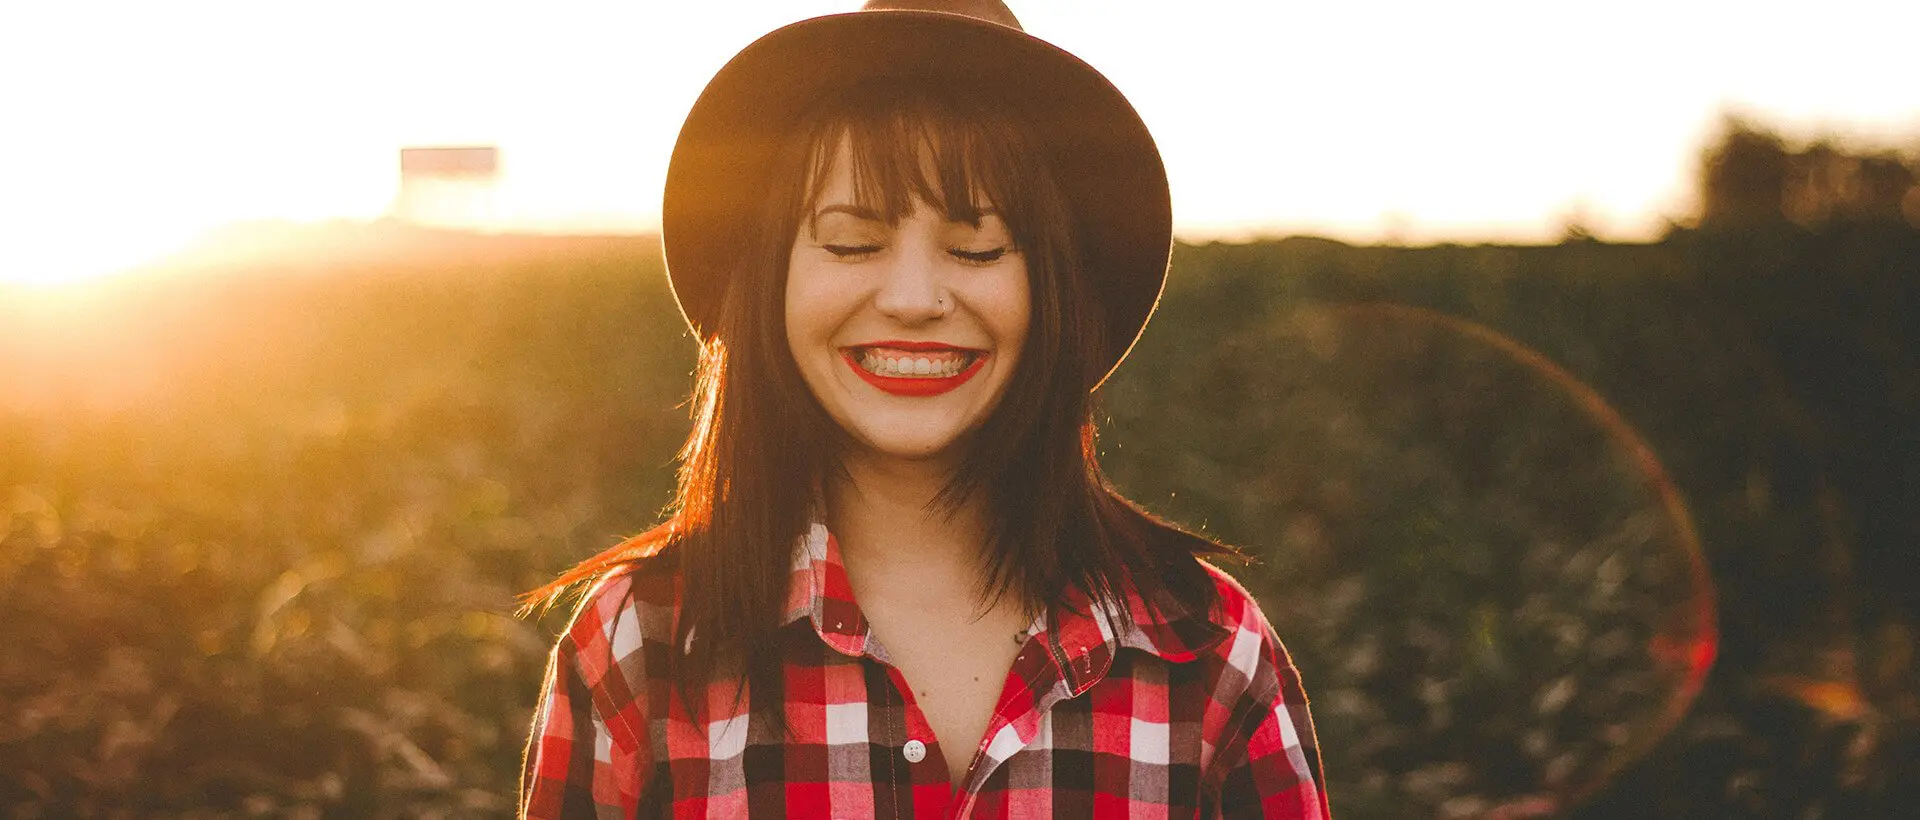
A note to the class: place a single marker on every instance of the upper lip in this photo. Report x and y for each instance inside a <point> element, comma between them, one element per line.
<point>897,344</point>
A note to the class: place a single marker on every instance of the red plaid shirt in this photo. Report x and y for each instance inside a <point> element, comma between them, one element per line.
<point>1178,717</point>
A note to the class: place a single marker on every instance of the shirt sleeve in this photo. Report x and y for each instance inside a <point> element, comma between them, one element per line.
<point>578,764</point>
<point>1273,764</point>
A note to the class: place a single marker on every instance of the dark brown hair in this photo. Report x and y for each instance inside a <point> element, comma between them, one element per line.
<point>761,449</point>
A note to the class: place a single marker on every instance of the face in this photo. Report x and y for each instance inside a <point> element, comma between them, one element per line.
<point>909,333</point>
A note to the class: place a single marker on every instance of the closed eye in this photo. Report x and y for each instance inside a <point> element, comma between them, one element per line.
<point>850,250</point>
<point>979,257</point>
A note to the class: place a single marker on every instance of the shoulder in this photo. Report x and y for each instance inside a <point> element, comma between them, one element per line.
<point>1272,756</point>
<point>643,591</point>
<point>591,738</point>
<point>624,620</point>
<point>617,646</point>
<point>638,596</point>
<point>1237,610</point>
<point>1248,643</point>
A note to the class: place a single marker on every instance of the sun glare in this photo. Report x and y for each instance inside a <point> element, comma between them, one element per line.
<point>1265,128</point>
<point>67,255</point>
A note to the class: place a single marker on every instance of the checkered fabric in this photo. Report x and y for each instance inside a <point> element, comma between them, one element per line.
<point>1180,716</point>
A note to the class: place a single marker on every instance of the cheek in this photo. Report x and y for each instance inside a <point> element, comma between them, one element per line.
<point>814,309</point>
<point>799,305</point>
<point>1015,312</point>
<point>792,319</point>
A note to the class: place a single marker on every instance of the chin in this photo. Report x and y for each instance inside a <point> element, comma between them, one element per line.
<point>917,444</point>
<point>911,450</point>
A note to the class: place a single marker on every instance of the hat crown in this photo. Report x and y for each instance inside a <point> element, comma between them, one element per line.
<point>992,11</point>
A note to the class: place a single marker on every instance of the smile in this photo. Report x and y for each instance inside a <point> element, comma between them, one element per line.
<point>914,368</point>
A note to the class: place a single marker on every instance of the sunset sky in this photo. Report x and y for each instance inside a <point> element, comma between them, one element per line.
<point>133,126</point>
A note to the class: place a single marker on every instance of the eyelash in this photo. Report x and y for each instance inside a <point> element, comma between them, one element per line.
<point>980,257</point>
<point>976,257</point>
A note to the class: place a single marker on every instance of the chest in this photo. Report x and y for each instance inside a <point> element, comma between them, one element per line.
<point>858,744</point>
<point>953,663</point>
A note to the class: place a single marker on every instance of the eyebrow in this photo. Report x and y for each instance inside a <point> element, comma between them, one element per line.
<point>871,215</point>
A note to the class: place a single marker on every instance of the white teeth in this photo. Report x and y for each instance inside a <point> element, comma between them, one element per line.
<point>909,366</point>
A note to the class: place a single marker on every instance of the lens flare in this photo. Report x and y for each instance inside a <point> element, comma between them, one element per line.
<point>1491,581</point>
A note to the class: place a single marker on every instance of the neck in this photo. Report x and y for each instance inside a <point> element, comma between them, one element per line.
<point>884,514</point>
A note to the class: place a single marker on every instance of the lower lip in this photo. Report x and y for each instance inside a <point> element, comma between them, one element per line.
<point>917,386</point>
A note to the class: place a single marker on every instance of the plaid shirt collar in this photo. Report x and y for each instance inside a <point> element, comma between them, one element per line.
<point>1082,646</point>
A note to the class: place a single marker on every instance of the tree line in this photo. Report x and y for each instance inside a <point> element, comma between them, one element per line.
<point>1752,175</point>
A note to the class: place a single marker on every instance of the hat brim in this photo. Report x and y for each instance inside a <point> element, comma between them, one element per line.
<point>1101,154</point>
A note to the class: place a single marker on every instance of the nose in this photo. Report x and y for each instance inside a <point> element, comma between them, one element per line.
<point>910,289</point>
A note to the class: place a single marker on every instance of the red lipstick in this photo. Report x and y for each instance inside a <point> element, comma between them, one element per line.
<point>913,385</point>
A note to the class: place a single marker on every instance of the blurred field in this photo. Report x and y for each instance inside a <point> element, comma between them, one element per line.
<point>261,520</point>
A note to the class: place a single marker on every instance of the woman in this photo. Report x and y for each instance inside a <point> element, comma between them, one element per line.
<point>895,582</point>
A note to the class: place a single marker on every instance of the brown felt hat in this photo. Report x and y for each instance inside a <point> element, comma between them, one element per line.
<point>1099,149</point>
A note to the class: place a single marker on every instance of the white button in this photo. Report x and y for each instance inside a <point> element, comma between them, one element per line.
<point>914,751</point>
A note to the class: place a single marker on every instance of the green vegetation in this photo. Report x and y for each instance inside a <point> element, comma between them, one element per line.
<point>1477,579</point>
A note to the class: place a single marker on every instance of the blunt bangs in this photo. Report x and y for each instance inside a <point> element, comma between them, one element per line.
<point>909,144</point>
